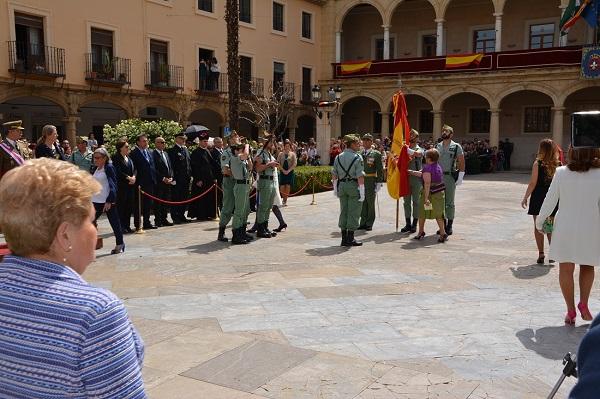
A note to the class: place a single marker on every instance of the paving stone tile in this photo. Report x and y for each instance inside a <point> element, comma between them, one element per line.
<point>324,376</point>
<point>155,331</point>
<point>273,321</point>
<point>188,388</point>
<point>249,366</point>
<point>372,332</point>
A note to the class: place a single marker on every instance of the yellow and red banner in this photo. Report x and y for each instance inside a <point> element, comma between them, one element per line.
<point>460,61</point>
<point>347,68</point>
<point>397,170</point>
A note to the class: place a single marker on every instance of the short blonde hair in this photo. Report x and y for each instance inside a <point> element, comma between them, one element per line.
<point>37,197</point>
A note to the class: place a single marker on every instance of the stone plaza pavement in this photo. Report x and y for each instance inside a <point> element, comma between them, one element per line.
<point>298,316</point>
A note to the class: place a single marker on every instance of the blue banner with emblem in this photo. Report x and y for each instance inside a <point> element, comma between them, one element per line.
<point>590,62</point>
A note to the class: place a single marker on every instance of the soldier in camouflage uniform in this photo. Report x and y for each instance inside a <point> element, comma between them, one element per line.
<point>241,176</point>
<point>349,186</point>
<point>228,186</point>
<point>373,168</point>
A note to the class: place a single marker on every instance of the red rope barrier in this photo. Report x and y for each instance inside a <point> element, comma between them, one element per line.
<point>302,189</point>
<point>179,202</point>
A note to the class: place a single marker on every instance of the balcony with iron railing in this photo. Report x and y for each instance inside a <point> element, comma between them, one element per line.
<point>112,71</point>
<point>490,62</point>
<point>283,90</point>
<point>164,77</point>
<point>252,87</point>
<point>36,60</point>
<point>208,83</point>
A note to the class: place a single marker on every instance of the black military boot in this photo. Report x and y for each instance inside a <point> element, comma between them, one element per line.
<point>413,227</point>
<point>350,241</point>
<point>449,226</point>
<point>246,235</point>
<point>254,228</point>
<point>344,238</point>
<point>237,237</point>
<point>406,229</point>
<point>221,236</point>
<point>261,231</point>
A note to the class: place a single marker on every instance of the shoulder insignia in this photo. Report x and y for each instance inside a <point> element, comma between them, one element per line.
<point>224,158</point>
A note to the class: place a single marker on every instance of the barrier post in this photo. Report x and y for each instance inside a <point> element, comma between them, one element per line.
<point>140,229</point>
<point>314,202</point>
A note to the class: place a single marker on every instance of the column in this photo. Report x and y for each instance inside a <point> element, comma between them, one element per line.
<point>498,31</point>
<point>437,123</point>
<point>494,127</point>
<point>558,125</point>
<point>71,128</point>
<point>292,133</point>
<point>439,50</point>
<point>338,46</point>
<point>562,41</point>
<point>323,137</point>
<point>386,42</point>
<point>385,124</point>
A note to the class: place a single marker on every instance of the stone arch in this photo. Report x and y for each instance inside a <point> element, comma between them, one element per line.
<point>443,7</point>
<point>527,87</point>
<point>346,8</point>
<point>35,111</point>
<point>410,91</point>
<point>27,92</point>
<point>306,127</point>
<point>361,114</point>
<point>458,90</point>
<point>352,95</point>
<point>574,89</point>
<point>98,98</point>
<point>208,117</point>
<point>391,9</point>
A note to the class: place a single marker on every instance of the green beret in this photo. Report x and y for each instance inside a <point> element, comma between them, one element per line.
<point>367,136</point>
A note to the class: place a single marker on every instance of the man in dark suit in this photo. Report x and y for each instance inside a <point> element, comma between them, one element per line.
<point>182,173</point>
<point>10,154</point>
<point>588,364</point>
<point>203,180</point>
<point>164,182</point>
<point>216,152</point>
<point>146,177</point>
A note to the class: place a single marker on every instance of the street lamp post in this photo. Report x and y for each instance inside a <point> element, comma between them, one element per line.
<point>325,110</point>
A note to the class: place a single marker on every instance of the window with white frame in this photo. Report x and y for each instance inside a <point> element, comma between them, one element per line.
<point>205,5</point>
<point>245,10</point>
<point>541,36</point>
<point>278,17</point>
<point>484,41</point>
<point>306,25</point>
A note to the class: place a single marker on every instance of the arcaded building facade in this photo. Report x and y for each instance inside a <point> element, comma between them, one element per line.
<point>82,64</point>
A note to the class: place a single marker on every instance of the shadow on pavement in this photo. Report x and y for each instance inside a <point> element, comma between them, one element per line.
<point>384,238</point>
<point>206,248</point>
<point>553,342</point>
<point>427,241</point>
<point>531,271</point>
<point>327,251</point>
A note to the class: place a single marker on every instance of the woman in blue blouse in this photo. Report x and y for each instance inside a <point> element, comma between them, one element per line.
<point>59,336</point>
<point>105,200</point>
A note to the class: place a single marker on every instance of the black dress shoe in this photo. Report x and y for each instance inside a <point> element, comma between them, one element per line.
<point>167,223</point>
<point>150,227</point>
<point>368,228</point>
<point>127,230</point>
<point>178,221</point>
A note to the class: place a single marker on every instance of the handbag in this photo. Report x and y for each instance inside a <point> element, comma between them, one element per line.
<point>548,225</point>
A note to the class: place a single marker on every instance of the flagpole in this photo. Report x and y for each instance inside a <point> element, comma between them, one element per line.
<point>397,213</point>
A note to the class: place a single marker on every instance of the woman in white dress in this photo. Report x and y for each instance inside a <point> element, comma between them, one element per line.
<point>576,235</point>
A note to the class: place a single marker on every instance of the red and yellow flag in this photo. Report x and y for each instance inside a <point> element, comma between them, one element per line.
<point>347,68</point>
<point>397,174</point>
<point>459,61</point>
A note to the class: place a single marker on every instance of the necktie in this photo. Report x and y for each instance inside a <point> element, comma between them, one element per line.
<point>146,155</point>
<point>164,157</point>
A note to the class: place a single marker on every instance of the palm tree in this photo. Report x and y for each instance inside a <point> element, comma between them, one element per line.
<point>233,61</point>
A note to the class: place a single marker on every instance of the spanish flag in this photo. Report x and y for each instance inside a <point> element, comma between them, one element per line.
<point>397,175</point>
<point>459,61</point>
<point>347,68</point>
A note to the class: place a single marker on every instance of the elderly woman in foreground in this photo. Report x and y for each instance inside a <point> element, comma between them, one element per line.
<point>59,336</point>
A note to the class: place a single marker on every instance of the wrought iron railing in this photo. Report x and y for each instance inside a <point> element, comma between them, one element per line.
<point>164,76</point>
<point>35,58</point>
<point>252,86</point>
<point>113,70</point>
<point>285,90</point>
<point>211,83</point>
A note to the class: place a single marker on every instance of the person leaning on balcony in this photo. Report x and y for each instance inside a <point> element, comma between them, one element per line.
<point>83,156</point>
<point>60,336</point>
<point>215,71</point>
<point>47,146</point>
<point>452,160</point>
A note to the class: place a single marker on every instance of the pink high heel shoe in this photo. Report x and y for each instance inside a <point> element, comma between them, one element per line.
<point>570,317</point>
<point>584,311</point>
